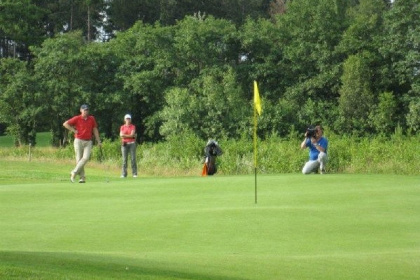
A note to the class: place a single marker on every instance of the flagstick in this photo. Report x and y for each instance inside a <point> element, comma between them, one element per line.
<point>255,185</point>
<point>255,151</point>
<point>257,109</point>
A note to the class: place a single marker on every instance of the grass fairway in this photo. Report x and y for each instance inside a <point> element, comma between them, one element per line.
<point>42,140</point>
<point>303,227</point>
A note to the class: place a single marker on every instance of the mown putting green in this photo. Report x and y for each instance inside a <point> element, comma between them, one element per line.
<point>303,227</point>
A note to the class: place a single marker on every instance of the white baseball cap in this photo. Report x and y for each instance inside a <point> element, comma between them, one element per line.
<point>127,116</point>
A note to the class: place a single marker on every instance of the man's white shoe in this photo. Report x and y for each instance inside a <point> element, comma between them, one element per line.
<point>72,175</point>
<point>134,176</point>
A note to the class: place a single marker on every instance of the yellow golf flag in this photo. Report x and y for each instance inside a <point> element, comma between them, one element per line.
<point>257,100</point>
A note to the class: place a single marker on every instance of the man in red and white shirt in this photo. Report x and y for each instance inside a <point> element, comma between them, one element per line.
<point>128,146</point>
<point>83,126</point>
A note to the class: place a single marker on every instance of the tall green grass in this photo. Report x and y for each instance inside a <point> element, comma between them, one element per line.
<point>183,155</point>
<point>329,227</point>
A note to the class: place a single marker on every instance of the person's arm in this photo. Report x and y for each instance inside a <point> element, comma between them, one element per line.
<point>317,146</point>
<point>96,133</point>
<point>132,135</point>
<point>69,127</point>
<point>303,144</point>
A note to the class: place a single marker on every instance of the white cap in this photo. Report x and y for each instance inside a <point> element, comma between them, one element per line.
<point>127,116</point>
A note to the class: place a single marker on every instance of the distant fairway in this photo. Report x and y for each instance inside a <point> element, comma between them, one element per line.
<point>42,139</point>
<point>303,227</point>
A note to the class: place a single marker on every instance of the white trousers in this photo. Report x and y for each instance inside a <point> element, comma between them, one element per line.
<point>82,149</point>
<point>313,165</point>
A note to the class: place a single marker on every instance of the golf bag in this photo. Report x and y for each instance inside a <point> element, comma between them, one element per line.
<point>211,151</point>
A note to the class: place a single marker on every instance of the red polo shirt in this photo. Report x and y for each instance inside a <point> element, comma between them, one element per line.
<point>128,129</point>
<point>83,126</point>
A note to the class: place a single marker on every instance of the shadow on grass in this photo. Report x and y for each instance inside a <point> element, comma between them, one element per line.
<point>57,265</point>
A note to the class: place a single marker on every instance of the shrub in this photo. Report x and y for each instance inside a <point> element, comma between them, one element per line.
<point>183,155</point>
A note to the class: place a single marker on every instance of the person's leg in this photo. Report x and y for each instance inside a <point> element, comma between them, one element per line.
<point>133,159</point>
<point>124,152</point>
<point>310,166</point>
<point>86,147</point>
<point>322,159</point>
<point>78,150</point>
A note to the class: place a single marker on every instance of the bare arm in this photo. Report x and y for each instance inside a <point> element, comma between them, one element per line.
<point>318,147</point>
<point>96,133</point>
<point>132,135</point>
<point>303,144</point>
<point>69,127</point>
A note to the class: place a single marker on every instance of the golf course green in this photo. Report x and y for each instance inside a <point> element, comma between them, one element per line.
<point>334,226</point>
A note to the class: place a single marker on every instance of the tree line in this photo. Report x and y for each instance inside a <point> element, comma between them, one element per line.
<point>352,66</point>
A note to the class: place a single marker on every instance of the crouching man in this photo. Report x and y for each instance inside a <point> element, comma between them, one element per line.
<point>318,146</point>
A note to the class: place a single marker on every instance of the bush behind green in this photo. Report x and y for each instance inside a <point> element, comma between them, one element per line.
<point>184,154</point>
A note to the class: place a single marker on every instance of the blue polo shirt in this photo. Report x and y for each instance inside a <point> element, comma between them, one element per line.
<point>313,152</point>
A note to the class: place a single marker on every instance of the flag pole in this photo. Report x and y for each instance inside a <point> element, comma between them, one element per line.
<point>257,110</point>
<point>255,152</point>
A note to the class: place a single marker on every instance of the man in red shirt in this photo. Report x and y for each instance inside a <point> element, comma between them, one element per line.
<point>128,146</point>
<point>82,126</point>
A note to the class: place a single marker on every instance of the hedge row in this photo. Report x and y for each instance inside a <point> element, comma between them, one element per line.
<point>183,155</point>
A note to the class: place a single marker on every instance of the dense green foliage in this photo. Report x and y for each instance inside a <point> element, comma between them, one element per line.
<point>182,155</point>
<point>352,66</point>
